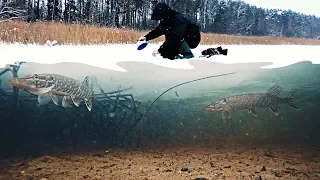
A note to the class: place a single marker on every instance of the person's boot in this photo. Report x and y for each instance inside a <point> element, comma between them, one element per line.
<point>222,51</point>
<point>214,51</point>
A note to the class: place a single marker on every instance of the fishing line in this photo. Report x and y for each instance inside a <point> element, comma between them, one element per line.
<point>208,77</point>
<point>135,123</point>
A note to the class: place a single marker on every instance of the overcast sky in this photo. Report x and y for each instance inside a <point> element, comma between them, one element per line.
<point>303,6</point>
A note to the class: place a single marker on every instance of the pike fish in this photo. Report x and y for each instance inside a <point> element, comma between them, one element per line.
<point>270,99</point>
<point>53,85</point>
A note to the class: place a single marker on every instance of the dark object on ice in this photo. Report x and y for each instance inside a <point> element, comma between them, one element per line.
<point>201,178</point>
<point>214,51</point>
<point>184,169</point>
<point>227,166</point>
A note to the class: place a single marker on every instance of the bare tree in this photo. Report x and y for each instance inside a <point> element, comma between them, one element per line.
<point>8,12</point>
<point>217,16</point>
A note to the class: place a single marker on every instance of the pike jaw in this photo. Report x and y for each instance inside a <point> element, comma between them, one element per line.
<point>220,105</point>
<point>35,84</point>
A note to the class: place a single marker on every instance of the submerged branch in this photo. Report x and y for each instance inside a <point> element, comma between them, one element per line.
<point>4,71</point>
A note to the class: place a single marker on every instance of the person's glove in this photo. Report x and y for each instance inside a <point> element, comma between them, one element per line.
<point>142,38</point>
<point>155,52</point>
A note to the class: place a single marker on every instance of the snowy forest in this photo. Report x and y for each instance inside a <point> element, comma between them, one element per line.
<point>216,16</point>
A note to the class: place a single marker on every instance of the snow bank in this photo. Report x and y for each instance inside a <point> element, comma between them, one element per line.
<point>107,56</point>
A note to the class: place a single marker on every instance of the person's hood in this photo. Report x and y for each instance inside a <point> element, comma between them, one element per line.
<point>161,11</point>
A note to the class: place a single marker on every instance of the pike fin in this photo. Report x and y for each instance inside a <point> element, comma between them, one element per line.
<point>66,101</point>
<point>88,103</point>
<point>226,114</point>
<point>253,111</point>
<point>275,109</point>
<point>76,101</point>
<point>54,98</point>
<point>43,99</point>
<point>290,101</point>
<point>275,90</point>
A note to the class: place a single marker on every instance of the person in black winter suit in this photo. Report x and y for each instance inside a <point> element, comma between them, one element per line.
<point>181,34</point>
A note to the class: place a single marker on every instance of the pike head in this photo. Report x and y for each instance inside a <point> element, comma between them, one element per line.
<point>220,105</point>
<point>36,84</point>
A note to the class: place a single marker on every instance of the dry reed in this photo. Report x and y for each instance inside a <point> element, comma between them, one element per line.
<point>40,32</point>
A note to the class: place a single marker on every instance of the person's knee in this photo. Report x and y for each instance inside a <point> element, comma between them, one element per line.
<point>194,44</point>
<point>194,41</point>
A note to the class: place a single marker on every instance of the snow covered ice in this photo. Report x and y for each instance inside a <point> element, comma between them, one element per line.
<point>107,56</point>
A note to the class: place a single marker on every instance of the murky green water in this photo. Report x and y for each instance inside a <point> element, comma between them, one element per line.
<point>175,119</point>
